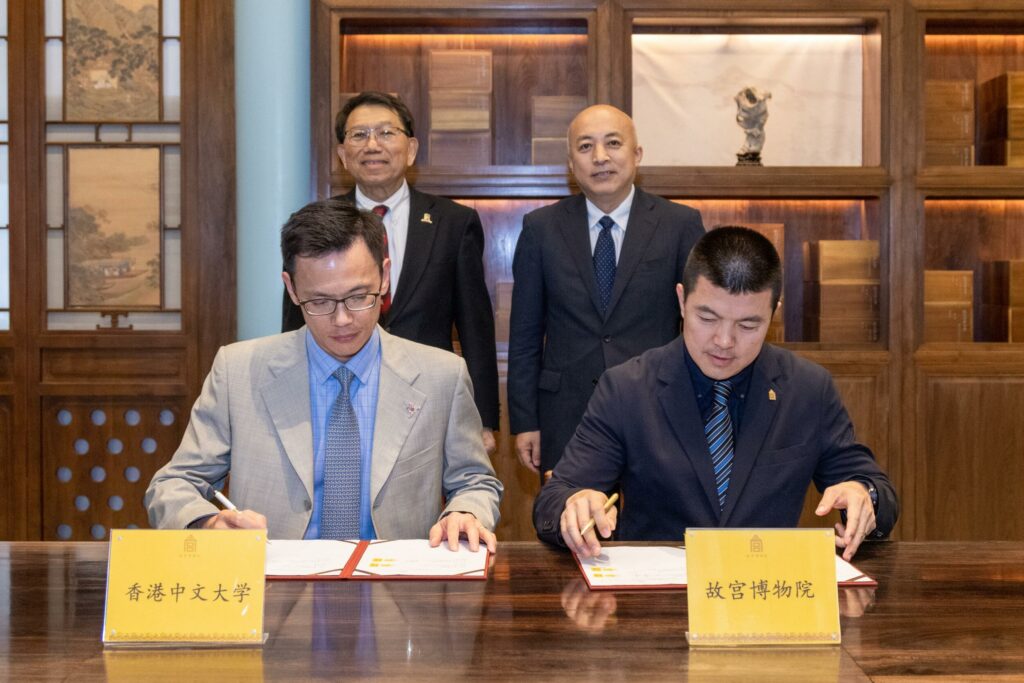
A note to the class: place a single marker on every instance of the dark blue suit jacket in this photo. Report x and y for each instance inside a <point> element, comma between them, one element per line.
<point>643,432</point>
<point>559,341</point>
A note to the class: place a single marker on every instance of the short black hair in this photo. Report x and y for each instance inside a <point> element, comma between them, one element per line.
<point>328,226</point>
<point>736,259</point>
<point>373,98</point>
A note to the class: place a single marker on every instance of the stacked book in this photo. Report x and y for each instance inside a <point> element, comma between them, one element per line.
<point>460,107</point>
<point>549,122</point>
<point>949,123</point>
<point>841,291</point>
<point>1002,301</point>
<point>948,305</point>
<point>1001,118</point>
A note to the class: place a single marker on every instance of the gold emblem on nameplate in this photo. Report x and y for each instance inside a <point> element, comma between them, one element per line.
<point>771,394</point>
<point>426,219</point>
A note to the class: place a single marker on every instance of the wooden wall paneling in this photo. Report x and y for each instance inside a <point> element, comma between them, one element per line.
<point>99,455</point>
<point>968,460</point>
<point>208,182</point>
<point>611,65</point>
<point>22,514</point>
<point>502,220</point>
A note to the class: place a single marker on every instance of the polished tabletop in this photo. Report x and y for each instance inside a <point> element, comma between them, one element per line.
<point>945,611</point>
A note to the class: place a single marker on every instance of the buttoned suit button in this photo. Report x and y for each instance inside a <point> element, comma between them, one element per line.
<point>607,339</point>
<point>594,381</point>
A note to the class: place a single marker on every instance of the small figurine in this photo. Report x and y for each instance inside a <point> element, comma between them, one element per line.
<point>751,114</point>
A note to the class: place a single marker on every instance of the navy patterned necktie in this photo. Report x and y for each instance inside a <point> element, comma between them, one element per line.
<point>339,518</point>
<point>718,431</point>
<point>604,261</point>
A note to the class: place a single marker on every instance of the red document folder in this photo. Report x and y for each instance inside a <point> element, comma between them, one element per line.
<point>391,560</point>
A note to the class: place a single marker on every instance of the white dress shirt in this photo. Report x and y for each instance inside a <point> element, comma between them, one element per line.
<point>396,220</point>
<point>621,217</point>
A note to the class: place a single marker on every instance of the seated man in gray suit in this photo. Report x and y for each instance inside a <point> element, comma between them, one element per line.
<point>717,428</point>
<point>338,429</point>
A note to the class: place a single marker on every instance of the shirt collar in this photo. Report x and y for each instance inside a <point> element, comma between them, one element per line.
<point>367,204</point>
<point>619,214</point>
<point>323,365</point>
<point>702,384</point>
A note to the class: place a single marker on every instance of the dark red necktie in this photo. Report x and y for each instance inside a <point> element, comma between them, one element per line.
<point>385,302</point>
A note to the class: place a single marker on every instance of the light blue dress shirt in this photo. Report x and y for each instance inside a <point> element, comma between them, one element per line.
<point>323,390</point>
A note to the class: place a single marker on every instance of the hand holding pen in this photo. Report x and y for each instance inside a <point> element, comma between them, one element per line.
<point>233,518</point>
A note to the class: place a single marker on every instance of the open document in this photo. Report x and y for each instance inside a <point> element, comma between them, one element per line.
<point>405,559</point>
<point>664,567</point>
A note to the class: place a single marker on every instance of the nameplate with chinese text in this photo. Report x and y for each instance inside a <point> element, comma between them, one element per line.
<point>762,587</point>
<point>185,588</point>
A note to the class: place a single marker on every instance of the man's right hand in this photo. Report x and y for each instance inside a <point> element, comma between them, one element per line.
<point>528,449</point>
<point>236,519</point>
<point>580,508</point>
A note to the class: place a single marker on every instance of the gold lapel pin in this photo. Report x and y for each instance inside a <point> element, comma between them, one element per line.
<point>426,219</point>
<point>771,394</point>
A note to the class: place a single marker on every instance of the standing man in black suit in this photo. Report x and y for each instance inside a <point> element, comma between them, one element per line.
<point>435,245</point>
<point>716,428</point>
<point>594,278</point>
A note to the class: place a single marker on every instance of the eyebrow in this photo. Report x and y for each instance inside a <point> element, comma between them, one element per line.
<point>318,294</point>
<point>749,319</point>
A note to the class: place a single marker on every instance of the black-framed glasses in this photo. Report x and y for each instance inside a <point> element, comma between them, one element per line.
<point>385,135</point>
<point>353,302</point>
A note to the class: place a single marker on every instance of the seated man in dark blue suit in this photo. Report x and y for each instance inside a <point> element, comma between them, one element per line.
<point>716,429</point>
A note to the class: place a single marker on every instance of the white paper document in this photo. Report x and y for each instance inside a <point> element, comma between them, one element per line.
<point>624,566</point>
<point>665,567</point>
<point>417,558</point>
<point>308,558</point>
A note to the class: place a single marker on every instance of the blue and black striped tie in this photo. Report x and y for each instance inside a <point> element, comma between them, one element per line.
<point>718,431</point>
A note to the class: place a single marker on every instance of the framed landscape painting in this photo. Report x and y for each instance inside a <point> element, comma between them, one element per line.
<point>112,60</point>
<point>112,253</point>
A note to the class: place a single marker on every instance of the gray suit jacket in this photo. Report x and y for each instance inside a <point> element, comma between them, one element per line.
<point>252,421</point>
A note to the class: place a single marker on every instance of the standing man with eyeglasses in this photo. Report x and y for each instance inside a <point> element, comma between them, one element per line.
<point>594,281</point>
<point>338,430</point>
<point>435,246</point>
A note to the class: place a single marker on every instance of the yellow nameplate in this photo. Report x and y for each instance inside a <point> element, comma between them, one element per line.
<point>190,587</point>
<point>762,587</point>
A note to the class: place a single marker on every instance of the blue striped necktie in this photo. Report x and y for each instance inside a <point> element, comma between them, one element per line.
<point>604,261</point>
<point>718,431</point>
<point>339,518</point>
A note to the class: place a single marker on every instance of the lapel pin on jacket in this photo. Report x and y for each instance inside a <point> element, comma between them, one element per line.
<point>771,394</point>
<point>410,408</point>
<point>426,219</point>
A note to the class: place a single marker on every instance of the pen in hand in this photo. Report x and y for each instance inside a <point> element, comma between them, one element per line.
<point>223,500</point>
<point>607,506</point>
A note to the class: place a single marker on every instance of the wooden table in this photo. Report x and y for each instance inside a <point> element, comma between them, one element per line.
<point>951,611</point>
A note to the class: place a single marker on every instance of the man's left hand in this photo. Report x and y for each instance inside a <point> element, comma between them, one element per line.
<point>462,524</point>
<point>853,497</point>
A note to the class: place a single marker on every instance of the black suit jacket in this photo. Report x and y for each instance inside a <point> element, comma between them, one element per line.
<point>559,342</point>
<point>442,283</point>
<point>643,432</point>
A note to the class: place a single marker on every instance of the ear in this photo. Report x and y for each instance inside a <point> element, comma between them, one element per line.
<point>681,297</point>
<point>289,287</point>
<point>639,154</point>
<point>385,283</point>
<point>414,147</point>
<point>340,149</point>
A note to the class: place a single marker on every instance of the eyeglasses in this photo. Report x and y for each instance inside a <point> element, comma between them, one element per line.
<point>386,135</point>
<point>354,302</point>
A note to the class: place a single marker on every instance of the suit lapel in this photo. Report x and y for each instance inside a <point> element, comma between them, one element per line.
<point>576,234</point>
<point>419,241</point>
<point>759,411</point>
<point>399,405</point>
<point>679,402</point>
<point>639,230</point>
<point>286,396</point>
